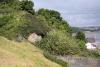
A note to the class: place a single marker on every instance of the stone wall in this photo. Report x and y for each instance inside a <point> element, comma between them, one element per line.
<point>80,61</point>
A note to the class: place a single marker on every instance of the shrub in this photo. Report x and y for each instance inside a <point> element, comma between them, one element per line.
<point>59,43</point>
<point>81,45</point>
<point>80,36</point>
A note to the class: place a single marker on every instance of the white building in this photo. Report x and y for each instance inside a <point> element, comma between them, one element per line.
<point>90,46</point>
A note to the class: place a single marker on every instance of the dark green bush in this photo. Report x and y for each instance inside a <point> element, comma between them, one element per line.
<point>27,5</point>
<point>81,36</point>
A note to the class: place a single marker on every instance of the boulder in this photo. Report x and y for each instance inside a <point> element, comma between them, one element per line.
<point>34,38</point>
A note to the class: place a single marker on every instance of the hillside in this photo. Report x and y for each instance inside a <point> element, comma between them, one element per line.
<point>24,54</point>
<point>19,23</point>
<point>19,20</point>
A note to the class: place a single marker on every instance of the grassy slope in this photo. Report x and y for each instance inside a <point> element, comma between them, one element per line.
<point>14,54</point>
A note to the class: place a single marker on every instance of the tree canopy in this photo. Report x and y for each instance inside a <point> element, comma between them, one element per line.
<point>54,19</point>
<point>80,36</point>
<point>27,5</point>
<point>50,14</point>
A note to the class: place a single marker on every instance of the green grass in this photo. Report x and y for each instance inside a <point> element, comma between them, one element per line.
<point>24,54</point>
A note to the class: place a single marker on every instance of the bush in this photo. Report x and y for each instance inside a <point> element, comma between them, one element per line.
<point>59,43</point>
<point>81,36</point>
<point>81,45</point>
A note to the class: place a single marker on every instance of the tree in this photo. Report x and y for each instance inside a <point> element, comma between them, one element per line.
<point>80,36</point>
<point>27,5</point>
<point>50,14</point>
<point>54,20</point>
<point>55,14</point>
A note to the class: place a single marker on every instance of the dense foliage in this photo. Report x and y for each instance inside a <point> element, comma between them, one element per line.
<point>54,20</point>
<point>18,18</point>
<point>27,6</point>
<point>14,24</point>
<point>80,36</point>
<point>59,43</point>
<point>10,4</point>
<point>49,14</point>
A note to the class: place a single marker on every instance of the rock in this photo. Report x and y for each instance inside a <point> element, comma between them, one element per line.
<point>34,38</point>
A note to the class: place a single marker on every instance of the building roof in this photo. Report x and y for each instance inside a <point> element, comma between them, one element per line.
<point>91,40</point>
